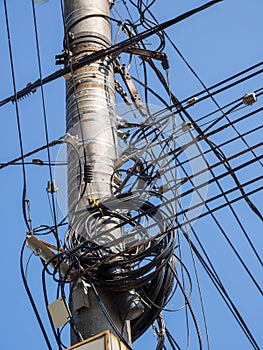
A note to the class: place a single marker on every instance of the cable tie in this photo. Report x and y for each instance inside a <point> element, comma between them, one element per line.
<point>96,203</point>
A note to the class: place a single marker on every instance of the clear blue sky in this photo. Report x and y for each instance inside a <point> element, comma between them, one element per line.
<point>217,43</point>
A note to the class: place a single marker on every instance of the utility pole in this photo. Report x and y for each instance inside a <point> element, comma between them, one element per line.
<point>90,119</point>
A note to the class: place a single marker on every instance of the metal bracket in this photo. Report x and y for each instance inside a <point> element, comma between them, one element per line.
<point>41,249</point>
<point>122,93</point>
<point>156,55</point>
<point>136,99</point>
<point>63,57</point>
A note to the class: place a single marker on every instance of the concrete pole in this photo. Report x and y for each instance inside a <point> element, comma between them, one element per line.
<point>90,108</point>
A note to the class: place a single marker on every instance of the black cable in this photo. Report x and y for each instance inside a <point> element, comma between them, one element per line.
<point>222,82</point>
<point>56,335</point>
<point>172,341</point>
<point>213,166</point>
<point>257,92</point>
<point>177,104</point>
<point>184,60</point>
<point>189,306</point>
<point>112,19</point>
<point>224,114</point>
<point>32,299</point>
<point>219,286</point>
<point>163,306</point>
<point>219,207</point>
<point>175,100</point>
<point>147,88</point>
<point>145,23</point>
<point>113,50</point>
<point>198,285</point>
<point>51,144</point>
<point>43,163</point>
<point>24,195</point>
<point>218,146</point>
<point>107,315</point>
<point>54,210</point>
<point>222,291</point>
<point>183,285</point>
<point>62,280</point>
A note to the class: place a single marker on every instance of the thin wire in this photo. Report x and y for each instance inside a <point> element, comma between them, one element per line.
<point>189,306</point>
<point>206,138</point>
<point>220,288</point>
<point>24,195</point>
<point>172,341</point>
<point>54,211</point>
<point>186,234</point>
<point>176,102</point>
<point>186,309</point>
<point>225,115</point>
<point>224,143</point>
<point>257,92</point>
<point>23,156</point>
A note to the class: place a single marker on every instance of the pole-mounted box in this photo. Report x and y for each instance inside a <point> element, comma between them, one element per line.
<point>102,341</point>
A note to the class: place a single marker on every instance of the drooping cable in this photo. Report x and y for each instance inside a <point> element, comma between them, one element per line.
<point>30,296</point>
<point>107,315</point>
<point>189,306</point>
<point>186,234</point>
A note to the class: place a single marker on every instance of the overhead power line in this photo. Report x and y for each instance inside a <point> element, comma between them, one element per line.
<point>113,50</point>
